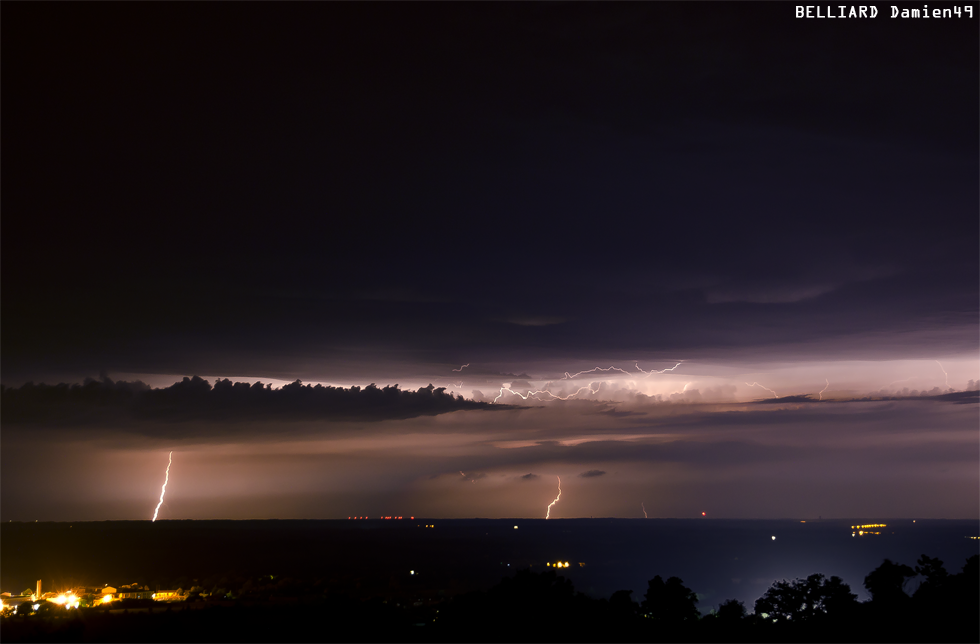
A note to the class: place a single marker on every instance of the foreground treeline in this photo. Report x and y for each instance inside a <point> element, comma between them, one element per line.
<point>903,598</point>
<point>530,606</point>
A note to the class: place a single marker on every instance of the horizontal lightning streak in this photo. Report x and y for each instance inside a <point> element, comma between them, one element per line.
<point>544,391</point>
<point>650,373</point>
<point>570,376</point>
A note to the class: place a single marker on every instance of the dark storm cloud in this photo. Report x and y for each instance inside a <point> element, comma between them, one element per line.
<point>105,401</point>
<point>787,174</point>
<point>530,477</point>
<point>591,474</point>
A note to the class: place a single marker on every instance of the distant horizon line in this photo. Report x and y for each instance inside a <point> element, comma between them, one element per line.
<point>422,518</point>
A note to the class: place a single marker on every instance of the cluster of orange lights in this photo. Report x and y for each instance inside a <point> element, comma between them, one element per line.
<point>379,518</point>
<point>861,530</point>
<point>559,564</point>
<point>68,600</point>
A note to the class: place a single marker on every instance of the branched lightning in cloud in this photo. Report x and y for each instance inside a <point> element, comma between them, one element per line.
<point>944,373</point>
<point>569,376</point>
<point>164,490</point>
<point>644,510</point>
<point>755,384</point>
<point>824,389</point>
<point>544,391</point>
<point>462,367</point>
<point>548,514</point>
<point>898,381</point>
<point>650,373</point>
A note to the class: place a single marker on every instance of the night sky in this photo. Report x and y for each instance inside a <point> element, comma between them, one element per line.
<point>763,229</point>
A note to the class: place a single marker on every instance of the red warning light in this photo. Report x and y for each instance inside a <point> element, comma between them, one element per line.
<point>703,514</point>
<point>412,518</point>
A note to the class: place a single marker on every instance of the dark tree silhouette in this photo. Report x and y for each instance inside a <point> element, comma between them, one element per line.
<point>621,604</point>
<point>670,601</point>
<point>886,583</point>
<point>731,610</point>
<point>805,600</point>
<point>933,586</point>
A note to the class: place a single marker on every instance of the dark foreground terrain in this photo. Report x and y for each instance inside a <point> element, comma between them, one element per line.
<point>482,580</point>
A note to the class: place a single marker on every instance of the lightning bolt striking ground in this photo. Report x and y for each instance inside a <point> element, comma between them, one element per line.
<point>824,389</point>
<point>164,490</point>
<point>548,514</point>
<point>755,384</point>
<point>644,510</point>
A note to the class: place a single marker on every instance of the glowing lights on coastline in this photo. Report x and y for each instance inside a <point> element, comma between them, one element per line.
<point>548,514</point>
<point>382,518</point>
<point>164,490</point>
<point>560,564</point>
<point>863,529</point>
